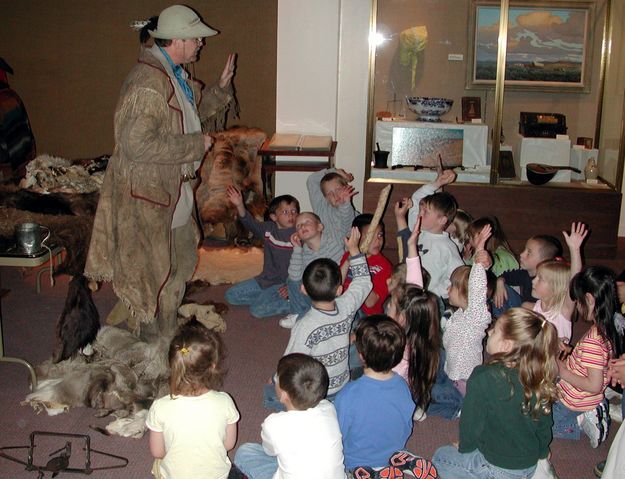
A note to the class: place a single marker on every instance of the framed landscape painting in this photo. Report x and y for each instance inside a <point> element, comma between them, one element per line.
<point>549,45</point>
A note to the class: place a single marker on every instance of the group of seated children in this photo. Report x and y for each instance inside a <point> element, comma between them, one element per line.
<point>417,333</point>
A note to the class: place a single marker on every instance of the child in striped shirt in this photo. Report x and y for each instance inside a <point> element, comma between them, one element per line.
<point>583,374</point>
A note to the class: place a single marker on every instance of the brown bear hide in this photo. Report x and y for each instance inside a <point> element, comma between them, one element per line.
<point>233,160</point>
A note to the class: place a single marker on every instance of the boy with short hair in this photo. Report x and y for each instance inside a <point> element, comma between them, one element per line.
<point>323,331</point>
<point>311,240</point>
<point>305,440</point>
<point>380,267</point>
<point>370,438</point>
<point>439,254</point>
<point>330,197</point>
<point>263,293</point>
<point>538,248</point>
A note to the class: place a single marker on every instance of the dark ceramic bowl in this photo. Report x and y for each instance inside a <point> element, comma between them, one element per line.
<point>539,174</point>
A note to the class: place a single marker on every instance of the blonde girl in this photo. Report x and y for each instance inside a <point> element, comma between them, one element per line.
<point>466,328</point>
<point>505,426</point>
<point>550,286</point>
<point>458,232</point>
<point>192,429</point>
<point>584,373</point>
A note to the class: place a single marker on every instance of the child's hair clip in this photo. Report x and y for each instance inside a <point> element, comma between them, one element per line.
<point>184,351</point>
<point>560,259</point>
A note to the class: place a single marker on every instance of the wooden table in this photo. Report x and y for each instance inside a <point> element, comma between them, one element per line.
<point>270,165</point>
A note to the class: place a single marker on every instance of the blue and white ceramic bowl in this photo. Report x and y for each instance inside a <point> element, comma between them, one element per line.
<point>429,109</point>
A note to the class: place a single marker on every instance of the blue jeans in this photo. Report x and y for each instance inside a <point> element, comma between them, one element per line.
<point>298,301</point>
<point>514,301</point>
<point>565,424</point>
<point>355,364</point>
<point>263,302</point>
<point>254,462</point>
<point>446,399</point>
<point>452,464</point>
<point>270,399</point>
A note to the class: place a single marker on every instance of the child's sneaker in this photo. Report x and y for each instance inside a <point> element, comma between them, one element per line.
<point>606,420</point>
<point>592,423</point>
<point>419,415</point>
<point>363,472</point>
<point>413,466</point>
<point>545,470</point>
<point>389,472</point>
<point>598,469</point>
<point>288,321</point>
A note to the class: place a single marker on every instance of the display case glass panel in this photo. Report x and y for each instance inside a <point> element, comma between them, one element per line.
<point>433,92</point>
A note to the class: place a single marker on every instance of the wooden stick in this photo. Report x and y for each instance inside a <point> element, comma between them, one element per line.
<point>377,216</point>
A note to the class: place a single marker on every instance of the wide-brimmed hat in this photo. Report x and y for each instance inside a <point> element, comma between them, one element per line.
<point>179,21</point>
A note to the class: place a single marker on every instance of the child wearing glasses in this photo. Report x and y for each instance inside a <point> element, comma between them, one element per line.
<point>266,293</point>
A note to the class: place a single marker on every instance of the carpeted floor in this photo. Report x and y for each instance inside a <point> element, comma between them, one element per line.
<point>254,347</point>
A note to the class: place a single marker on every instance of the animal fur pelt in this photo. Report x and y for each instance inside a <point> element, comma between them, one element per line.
<point>233,160</point>
<point>121,375</point>
<point>69,217</point>
<point>47,174</point>
<point>118,374</point>
<point>79,321</point>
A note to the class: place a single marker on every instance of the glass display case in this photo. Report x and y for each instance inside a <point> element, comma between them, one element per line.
<point>438,95</point>
<point>533,126</point>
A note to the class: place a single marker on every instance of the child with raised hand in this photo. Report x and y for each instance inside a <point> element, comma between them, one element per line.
<point>550,286</point>
<point>417,310</point>
<point>458,233</point>
<point>266,293</point>
<point>323,331</point>
<point>311,240</point>
<point>497,245</point>
<point>466,328</point>
<point>537,249</point>
<point>193,428</point>
<point>584,373</point>
<point>400,210</point>
<point>439,254</point>
<point>505,427</point>
<point>379,266</point>
<point>304,441</point>
<point>330,197</point>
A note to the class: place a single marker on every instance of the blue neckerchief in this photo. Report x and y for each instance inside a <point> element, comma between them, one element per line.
<point>177,69</point>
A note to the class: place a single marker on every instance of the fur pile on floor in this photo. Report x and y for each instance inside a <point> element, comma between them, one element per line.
<point>117,374</point>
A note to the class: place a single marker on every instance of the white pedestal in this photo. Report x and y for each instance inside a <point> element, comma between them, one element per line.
<point>546,151</point>
<point>579,158</point>
<point>474,144</point>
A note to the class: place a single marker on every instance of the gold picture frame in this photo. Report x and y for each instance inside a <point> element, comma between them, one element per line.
<point>549,46</point>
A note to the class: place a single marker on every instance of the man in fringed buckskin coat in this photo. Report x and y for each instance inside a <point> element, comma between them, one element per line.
<point>145,236</point>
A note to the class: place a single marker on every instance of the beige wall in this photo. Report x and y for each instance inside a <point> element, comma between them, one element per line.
<point>70,58</point>
<point>322,84</point>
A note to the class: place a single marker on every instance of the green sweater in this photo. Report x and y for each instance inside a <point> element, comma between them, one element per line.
<point>493,422</point>
<point>503,261</point>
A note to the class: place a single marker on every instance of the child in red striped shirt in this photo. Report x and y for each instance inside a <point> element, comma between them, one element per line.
<point>583,374</point>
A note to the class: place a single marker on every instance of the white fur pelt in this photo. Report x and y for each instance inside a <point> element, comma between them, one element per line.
<point>118,374</point>
<point>47,174</point>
